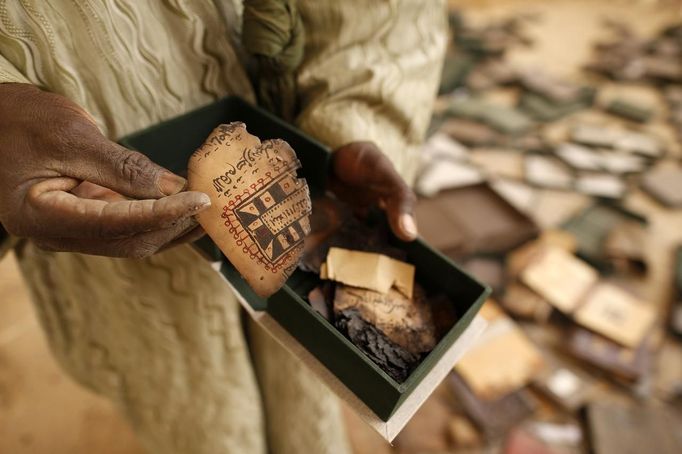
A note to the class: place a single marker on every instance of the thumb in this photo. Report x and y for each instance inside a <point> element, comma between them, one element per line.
<point>128,172</point>
<point>399,207</point>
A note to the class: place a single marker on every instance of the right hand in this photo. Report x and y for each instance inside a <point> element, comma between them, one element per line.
<point>68,188</point>
<point>363,176</point>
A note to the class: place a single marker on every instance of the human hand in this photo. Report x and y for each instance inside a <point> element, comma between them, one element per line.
<point>68,188</point>
<point>363,177</point>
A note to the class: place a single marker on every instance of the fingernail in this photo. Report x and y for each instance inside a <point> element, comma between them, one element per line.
<point>170,183</point>
<point>205,201</point>
<point>408,225</point>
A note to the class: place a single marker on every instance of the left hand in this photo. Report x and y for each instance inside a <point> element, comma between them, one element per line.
<point>363,177</point>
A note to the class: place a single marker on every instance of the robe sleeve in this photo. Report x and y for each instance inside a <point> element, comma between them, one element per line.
<point>371,72</point>
<point>9,74</point>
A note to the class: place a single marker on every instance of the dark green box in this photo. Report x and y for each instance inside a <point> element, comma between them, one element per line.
<point>172,142</point>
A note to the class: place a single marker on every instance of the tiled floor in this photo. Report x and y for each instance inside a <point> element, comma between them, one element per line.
<point>41,410</point>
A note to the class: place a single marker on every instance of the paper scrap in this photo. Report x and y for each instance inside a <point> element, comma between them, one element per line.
<point>519,194</point>
<point>622,162</point>
<point>443,174</point>
<point>579,157</point>
<point>503,358</point>
<point>616,314</point>
<point>547,172</point>
<point>369,271</point>
<point>665,184</point>
<point>601,185</point>
<point>560,277</point>
<point>442,146</point>
<point>638,143</point>
<point>594,135</point>
<point>558,434</point>
<point>563,383</point>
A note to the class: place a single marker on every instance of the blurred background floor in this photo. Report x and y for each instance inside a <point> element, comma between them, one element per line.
<point>42,411</point>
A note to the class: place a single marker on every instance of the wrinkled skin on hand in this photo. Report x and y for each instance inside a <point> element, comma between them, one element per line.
<point>68,188</point>
<point>363,177</point>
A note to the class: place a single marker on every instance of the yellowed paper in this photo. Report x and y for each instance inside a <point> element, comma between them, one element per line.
<point>502,360</point>
<point>560,277</point>
<point>519,258</point>
<point>369,271</point>
<point>614,313</point>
